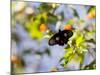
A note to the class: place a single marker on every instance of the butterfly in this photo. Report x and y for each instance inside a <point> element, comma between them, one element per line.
<point>60,38</point>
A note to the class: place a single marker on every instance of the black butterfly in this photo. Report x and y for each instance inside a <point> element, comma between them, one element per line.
<point>60,38</point>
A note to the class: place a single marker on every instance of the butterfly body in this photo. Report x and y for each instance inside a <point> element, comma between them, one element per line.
<point>60,38</point>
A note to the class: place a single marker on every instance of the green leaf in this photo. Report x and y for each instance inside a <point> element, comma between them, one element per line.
<point>44,7</point>
<point>75,13</point>
<point>80,39</point>
<point>69,52</point>
<point>33,28</point>
<point>68,46</point>
<point>68,56</point>
<point>47,51</point>
<point>91,40</point>
<point>61,59</point>
<point>70,22</point>
<point>80,58</point>
<point>91,8</point>
<point>52,19</point>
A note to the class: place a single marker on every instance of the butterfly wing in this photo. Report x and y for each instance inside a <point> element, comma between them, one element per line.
<point>53,40</point>
<point>66,34</point>
<point>60,38</point>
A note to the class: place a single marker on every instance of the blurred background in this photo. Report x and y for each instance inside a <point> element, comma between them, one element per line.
<point>34,23</point>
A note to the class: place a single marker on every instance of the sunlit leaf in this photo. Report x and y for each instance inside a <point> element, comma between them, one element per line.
<point>91,9</point>
<point>70,22</point>
<point>79,40</point>
<point>80,58</point>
